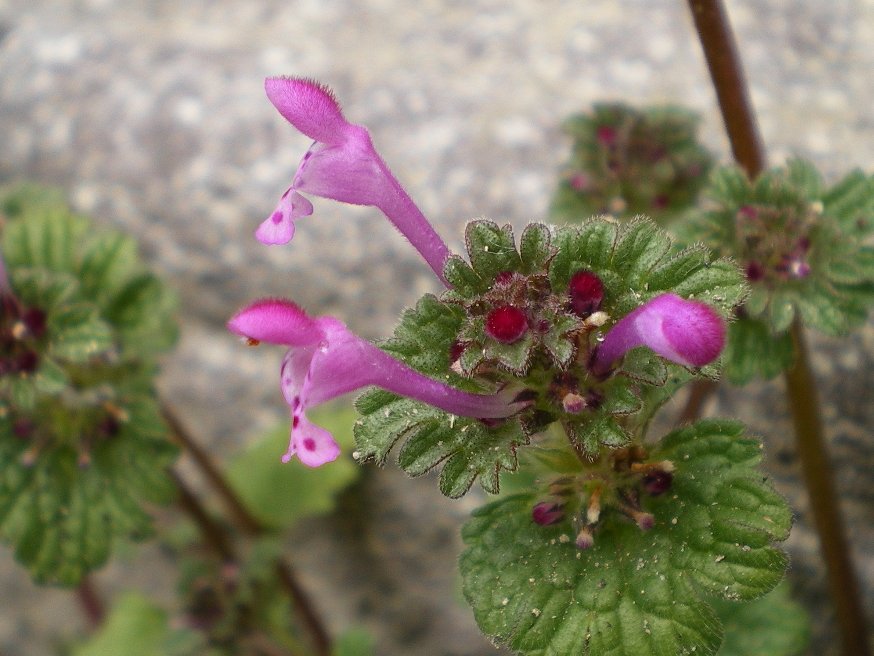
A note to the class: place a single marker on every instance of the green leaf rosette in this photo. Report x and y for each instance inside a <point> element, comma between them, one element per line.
<point>83,446</point>
<point>626,162</point>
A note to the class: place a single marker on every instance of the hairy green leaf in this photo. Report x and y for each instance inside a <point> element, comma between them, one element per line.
<point>634,593</point>
<point>61,513</point>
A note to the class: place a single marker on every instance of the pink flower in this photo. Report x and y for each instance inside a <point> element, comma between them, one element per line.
<point>326,360</point>
<point>341,165</point>
<point>689,333</point>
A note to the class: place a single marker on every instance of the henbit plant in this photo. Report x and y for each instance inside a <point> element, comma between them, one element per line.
<point>626,162</point>
<point>562,347</point>
<point>82,442</point>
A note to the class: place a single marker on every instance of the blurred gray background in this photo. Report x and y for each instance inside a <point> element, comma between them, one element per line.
<point>152,117</point>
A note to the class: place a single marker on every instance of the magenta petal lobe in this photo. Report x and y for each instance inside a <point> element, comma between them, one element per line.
<point>276,321</point>
<point>308,106</point>
<point>313,445</point>
<point>689,333</point>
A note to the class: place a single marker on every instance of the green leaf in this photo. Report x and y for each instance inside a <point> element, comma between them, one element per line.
<point>634,593</point>
<point>491,249</point>
<point>138,627</point>
<point>77,333</point>
<point>60,514</point>
<point>279,494</point>
<point>142,312</point>
<point>462,278</point>
<point>641,246</point>
<point>588,247</point>
<point>534,248</point>
<point>44,241</point>
<point>804,176</point>
<point>719,284</point>
<point>430,436</point>
<point>424,336</point>
<point>44,237</point>
<point>355,642</point>
<point>591,432</point>
<point>773,625</point>
<point>752,351</point>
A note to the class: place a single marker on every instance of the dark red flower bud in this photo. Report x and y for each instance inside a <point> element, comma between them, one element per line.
<point>506,324</point>
<point>606,135</point>
<point>755,271</point>
<point>657,482</point>
<point>547,513</point>
<point>27,362</point>
<point>586,292</point>
<point>35,320</point>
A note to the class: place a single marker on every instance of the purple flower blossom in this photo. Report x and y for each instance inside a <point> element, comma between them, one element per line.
<point>341,165</point>
<point>326,360</point>
<point>689,333</point>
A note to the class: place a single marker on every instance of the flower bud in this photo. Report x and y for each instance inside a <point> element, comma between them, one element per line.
<point>547,513</point>
<point>506,324</point>
<point>586,292</point>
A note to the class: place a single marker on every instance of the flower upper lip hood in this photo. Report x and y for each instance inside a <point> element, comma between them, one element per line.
<point>326,360</point>
<point>341,165</point>
<point>687,332</point>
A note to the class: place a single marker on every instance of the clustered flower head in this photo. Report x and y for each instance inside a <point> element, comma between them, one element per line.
<point>518,315</point>
<point>626,161</point>
<point>806,248</point>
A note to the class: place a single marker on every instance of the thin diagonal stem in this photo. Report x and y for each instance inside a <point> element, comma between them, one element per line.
<point>238,511</point>
<point>717,41</point>
<point>250,526</point>
<point>720,51</point>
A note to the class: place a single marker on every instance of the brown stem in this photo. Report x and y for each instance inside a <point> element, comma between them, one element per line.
<point>726,71</point>
<point>699,392</point>
<point>824,502</point>
<point>91,603</point>
<point>251,527</point>
<point>717,41</point>
<point>211,530</point>
<point>240,514</point>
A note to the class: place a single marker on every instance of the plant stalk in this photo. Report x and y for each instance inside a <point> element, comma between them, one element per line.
<point>91,602</point>
<point>247,523</point>
<point>720,51</point>
<point>723,61</point>
<point>824,503</point>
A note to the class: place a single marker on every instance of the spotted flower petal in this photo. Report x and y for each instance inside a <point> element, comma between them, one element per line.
<point>341,165</point>
<point>326,360</point>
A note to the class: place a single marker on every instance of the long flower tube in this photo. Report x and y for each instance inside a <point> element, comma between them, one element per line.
<point>326,360</point>
<point>341,165</point>
<point>689,333</point>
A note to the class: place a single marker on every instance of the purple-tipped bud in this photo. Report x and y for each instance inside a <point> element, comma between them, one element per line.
<point>573,403</point>
<point>689,333</point>
<point>586,292</point>
<point>645,521</point>
<point>585,539</point>
<point>547,513</point>
<point>506,324</point>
